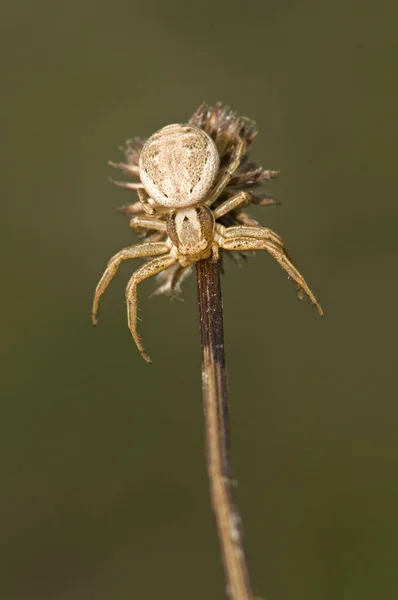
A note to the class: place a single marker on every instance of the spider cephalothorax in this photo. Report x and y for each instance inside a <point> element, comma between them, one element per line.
<point>183,191</point>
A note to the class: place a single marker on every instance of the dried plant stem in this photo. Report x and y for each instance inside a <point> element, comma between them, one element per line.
<point>215,399</point>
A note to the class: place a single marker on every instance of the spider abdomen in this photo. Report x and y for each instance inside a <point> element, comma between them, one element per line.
<point>178,165</point>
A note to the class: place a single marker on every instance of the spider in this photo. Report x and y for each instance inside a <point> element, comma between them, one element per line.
<point>181,178</point>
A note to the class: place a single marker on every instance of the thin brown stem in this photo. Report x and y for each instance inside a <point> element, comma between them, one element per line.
<point>215,400</point>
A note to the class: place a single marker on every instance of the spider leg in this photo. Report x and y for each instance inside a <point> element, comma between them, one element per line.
<point>258,233</point>
<point>253,230</point>
<point>151,268</point>
<point>141,250</point>
<point>138,223</point>
<point>231,204</point>
<point>228,173</point>
<point>278,252</point>
<point>144,199</point>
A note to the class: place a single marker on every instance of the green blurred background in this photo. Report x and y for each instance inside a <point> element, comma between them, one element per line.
<point>103,485</point>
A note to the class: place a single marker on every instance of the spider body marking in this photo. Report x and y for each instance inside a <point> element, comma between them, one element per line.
<point>178,166</point>
<point>179,169</point>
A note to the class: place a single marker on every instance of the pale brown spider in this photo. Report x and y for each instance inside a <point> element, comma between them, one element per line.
<point>179,169</point>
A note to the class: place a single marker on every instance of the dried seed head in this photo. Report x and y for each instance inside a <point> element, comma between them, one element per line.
<point>178,165</point>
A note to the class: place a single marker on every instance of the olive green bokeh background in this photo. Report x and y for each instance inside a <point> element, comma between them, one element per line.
<point>103,486</point>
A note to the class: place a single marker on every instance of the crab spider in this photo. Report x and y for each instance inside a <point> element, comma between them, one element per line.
<point>180,176</point>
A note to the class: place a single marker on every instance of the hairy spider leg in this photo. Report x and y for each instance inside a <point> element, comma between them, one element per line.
<point>227,174</point>
<point>144,199</point>
<point>151,268</point>
<point>257,231</point>
<point>260,233</point>
<point>242,243</point>
<point>138,251</point>
<point>239,199</point>
<point>138,223</point>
